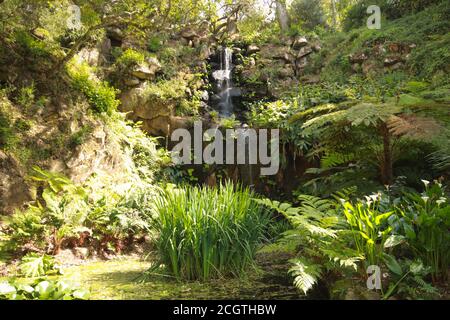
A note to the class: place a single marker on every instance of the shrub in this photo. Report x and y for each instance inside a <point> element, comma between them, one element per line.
<point>7,135</point>
<point>26,96</point>
<point>423,221</point>
<point>100,95</point>
<point>155,43</point>
<point>130,57</point>
<point>205,233</point>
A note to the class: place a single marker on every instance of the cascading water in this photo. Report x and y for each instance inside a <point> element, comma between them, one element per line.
<point>224,83</point>
<point>224,104</point>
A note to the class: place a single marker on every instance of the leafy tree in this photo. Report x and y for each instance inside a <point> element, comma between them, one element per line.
<point>308,13</point>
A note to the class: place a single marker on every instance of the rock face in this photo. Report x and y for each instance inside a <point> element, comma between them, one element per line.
<point>278,67</point>
<point>96,56</point>
<point>14,190</point>
<point>144,106</point>
<point>98,153</point>
<point>381,57</point>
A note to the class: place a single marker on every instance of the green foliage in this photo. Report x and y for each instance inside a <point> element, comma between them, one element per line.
<point>119,217</point>
<point>305,273</point>
<point>8,137</point>
<point>368,228</point>
<point>203,233</point>
<point>100,95</point>
<point>130,58</point>
<point>319,233</point>
<point>36,265</point>
<point>155,43</point>
<point>34,47</point>
<point>391,9</point>
<point>423,220</point>
<point>255,29</point>
<point>26,226</point>
<point>26,96</point>
<point>69,210</point>
<point>408,281</point>
<point>41,290</point>
<point>308,13</point>
<point>277,115</point>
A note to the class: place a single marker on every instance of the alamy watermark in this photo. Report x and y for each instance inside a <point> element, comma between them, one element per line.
<point>374,20</point>
<point>374,277</point>
<point>238,146</point>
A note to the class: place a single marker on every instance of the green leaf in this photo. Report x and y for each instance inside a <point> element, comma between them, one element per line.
<point>392,264</point>
<point>44,289</point>
<point>306,274</point>
<point>393,241</point>
<point>81,294</point>
<point>409,230</point>
<point>6,288</point>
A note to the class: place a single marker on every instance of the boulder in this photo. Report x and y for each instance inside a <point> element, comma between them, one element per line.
<point>147,70</point>
<point>286,72</point>
<point>392,60</point>
<point>189,34</point>
<point>303,52</point>
<point>143,106</point>
<point>252,49</point>
<point>115,34</point>
<point>310,79</point>
<point>301,63</point>
<point>143,72</point>
<point>132,82</point>
<point>90,55</point>
<point>316,47</point>
<point>164,125</point>
<point>358,57</point>
<point>153,64</point>
<point>299,42</point>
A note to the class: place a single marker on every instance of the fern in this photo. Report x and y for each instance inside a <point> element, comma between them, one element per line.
<point>305,273</point>
<point>414,127</point>
<point>317,226</point>
<point>333,159</point>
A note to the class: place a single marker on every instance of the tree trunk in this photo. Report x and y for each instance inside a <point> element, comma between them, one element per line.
<point>282,15</point>
<point>334,14</point>
<point>386,163</point>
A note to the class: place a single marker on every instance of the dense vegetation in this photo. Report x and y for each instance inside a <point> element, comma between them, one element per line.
<point>88,104</point>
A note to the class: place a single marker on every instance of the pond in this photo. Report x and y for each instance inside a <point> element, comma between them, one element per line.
<point>118,279</point>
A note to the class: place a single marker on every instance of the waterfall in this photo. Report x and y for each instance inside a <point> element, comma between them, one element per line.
<point>224,83</point>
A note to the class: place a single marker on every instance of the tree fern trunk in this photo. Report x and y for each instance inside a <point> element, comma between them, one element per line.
<point>386,165</point>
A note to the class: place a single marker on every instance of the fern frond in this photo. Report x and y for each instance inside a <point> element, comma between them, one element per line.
<point>305,273</point>
<point>333,159</point>
<point>345,257</point>
<point>413,126</point>
<point>312,111</point>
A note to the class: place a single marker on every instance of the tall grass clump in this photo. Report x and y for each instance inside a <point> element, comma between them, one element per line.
<point>205,233</point>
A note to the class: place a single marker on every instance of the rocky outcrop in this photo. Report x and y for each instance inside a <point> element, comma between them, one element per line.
<point>14,189</point>
<point>381,57</point>
<point>195,36</point>
<point>277,67</point>
<point>49,144</point>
